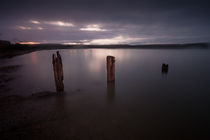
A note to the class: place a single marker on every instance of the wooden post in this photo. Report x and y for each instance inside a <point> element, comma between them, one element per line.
<point>58,72</point>
<point>60,65</point>
<point>110,68</point>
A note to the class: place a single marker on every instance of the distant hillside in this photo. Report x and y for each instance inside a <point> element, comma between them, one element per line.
<point>7,45</point>
<point>8,50</point>
<point>4,43</point>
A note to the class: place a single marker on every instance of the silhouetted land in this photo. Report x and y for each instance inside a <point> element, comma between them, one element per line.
<point>8,50</point>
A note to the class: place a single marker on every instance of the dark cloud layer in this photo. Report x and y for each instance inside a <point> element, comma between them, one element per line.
<point>160,21</point>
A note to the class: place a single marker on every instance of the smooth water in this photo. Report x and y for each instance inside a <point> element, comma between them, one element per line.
<point>142,97</point>
<point>138,71</point>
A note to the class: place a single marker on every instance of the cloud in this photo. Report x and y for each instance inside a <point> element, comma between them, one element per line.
<point>60,23</point>
<point>29,28</point>
<point>24,28</point>
<point>72,43</point>
<point>40,28</point>
<point>107,41</point>
<point>35,22</point>
<point>116,40</point>
<point>93,27</point>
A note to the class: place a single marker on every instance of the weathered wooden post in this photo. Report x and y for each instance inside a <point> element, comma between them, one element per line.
<point>110,77</point>
<point>60,65</point>
<point>110,68</point>
<point>58,72</point>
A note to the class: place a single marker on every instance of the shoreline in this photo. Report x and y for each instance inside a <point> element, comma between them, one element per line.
<point>10,51</point>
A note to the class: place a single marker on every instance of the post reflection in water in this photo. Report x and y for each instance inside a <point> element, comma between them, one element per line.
<point>34,58</point>
<point>164,68</point>
<point>111,92</point>
<point>58,72</point>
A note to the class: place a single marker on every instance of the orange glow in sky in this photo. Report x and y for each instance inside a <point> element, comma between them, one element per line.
<point>29,43</point>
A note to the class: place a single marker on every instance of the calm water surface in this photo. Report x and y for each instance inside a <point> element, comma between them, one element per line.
<point>142,97</point>
<point>137,72</point>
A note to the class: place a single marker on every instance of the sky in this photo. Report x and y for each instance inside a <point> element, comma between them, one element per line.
<point>105,21</point>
